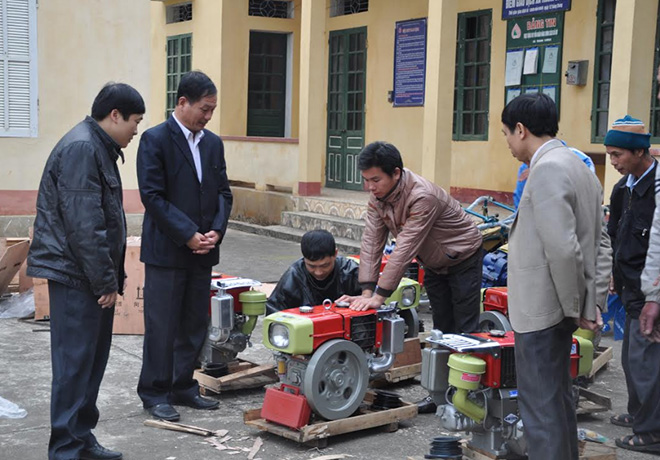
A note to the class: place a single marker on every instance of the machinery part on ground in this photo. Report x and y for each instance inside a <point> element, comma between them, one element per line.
<point>411,318</point>
<point>386,400</point>
<point>447,447</point>
<point>489,320</point>
<point>234,309</point>
<point>336,379</point>
<point>472,378</point>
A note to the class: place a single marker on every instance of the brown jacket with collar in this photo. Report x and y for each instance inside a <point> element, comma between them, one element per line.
<point>426,222</point>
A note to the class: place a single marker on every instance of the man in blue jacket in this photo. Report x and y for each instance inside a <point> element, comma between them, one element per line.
<point>184,188</point>
<point>79,247</point>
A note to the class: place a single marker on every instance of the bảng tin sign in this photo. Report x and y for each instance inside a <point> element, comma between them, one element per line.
<point>517,8</point>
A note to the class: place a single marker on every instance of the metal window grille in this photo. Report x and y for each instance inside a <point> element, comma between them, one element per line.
<point>179,60</point>
<point>472,76</point>
<point>271,9</point>
<point>179,13</point>
<point>344,7</point>
<point>602,72</point>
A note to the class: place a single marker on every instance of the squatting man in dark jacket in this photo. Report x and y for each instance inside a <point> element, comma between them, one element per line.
<point>320,274</point>
<point>79,247</point>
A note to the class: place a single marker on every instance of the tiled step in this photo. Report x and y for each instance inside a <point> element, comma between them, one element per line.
<point>340,227</point>
<point>353,207</point>
<point>345,246</point>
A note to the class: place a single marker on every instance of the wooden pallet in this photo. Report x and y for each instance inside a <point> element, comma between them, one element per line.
<point>242,374</point>
<point>602,356</point>
<point>592,403</point>
<point>407,365</point>
<point>588,451</point>
<point>316,433</point>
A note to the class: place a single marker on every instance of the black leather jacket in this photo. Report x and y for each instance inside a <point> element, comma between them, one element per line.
<point>298,287</point>
<point>80,227</point>
<point>629,227</point>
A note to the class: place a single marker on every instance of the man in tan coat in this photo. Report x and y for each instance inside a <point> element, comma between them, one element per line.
<point>553,249</point>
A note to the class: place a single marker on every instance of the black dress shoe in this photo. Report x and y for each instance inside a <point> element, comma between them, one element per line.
<point>164,411</point>
<point>196,402</point>
<point>98,452</point>
<point>426,406</point>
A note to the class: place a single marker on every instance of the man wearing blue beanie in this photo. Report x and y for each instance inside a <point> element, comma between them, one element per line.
<point>632,204</point>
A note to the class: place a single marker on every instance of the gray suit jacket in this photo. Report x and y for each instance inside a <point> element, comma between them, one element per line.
<point>554,243</point>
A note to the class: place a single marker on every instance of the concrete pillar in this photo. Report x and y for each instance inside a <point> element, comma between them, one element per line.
<point>312,97</point>
<point>632,68</point>
<point>438,107</point>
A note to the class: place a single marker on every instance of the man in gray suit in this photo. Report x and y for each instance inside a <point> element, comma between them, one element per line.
<point>553,250</point>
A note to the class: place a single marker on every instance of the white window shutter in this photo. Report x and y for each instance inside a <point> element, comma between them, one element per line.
<point>18,70</point>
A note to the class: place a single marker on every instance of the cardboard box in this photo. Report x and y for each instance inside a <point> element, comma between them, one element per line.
<point>12,256</point>
<point>41,301</point>
<point>129,309</point>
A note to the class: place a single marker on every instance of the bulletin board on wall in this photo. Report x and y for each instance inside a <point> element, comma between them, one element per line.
<point>533,56</point>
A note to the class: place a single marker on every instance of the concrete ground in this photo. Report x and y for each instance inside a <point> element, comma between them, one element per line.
<point>25,379</point>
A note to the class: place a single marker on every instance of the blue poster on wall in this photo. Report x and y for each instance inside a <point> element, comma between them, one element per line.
<point>409,63</point>
<point>517,8</point>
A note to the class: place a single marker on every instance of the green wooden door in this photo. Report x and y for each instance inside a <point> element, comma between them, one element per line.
<point>346,94</point>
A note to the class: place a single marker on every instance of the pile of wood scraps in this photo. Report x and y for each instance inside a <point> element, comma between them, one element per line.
<point>216,438</point>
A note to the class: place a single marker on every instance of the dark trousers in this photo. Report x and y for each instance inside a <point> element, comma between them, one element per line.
<point>454,296</point>
<point>641,364</point>
<point>80,337</point>
<point>176,303</point>
<point>545,395</point>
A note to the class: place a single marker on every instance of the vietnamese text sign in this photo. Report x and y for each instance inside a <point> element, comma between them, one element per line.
<point>517,8</point>
<point>409,63</point>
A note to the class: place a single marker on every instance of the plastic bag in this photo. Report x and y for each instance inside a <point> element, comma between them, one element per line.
<point>18,305</point>
<point>9,409</point>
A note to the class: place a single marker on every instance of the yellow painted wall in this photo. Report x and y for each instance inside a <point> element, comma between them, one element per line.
<point>78,52</point>
<point>401,125</point>
<point>475,164</point>
<point>220,47</point>
<point>264,164</point>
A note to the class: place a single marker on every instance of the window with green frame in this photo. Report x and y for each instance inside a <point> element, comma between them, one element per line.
<point>267,84</point>
<point>602,70</point>
<point>655,104</point>
<point>472,77</point>
<point>179,59</point>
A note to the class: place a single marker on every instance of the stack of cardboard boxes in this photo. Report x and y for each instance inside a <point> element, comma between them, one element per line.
<point>129,317</point>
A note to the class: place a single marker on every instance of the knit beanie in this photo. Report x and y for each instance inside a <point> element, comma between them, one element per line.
<point>628,133</point>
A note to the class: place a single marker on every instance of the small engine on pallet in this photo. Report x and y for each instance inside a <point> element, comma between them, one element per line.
<point>233,311</point>
<point>472,379</point>
<point>325,355</point>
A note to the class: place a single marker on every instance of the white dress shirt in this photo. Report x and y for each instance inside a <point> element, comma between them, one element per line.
<point>193,142</point>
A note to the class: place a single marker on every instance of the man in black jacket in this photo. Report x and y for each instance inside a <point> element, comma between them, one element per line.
<point>184,188</point>
<point>320,274</point>
<point>632,205</point>
<point>79,247</point>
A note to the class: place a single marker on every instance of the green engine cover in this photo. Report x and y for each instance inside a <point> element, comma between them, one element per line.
<point>300,332</point>
<point>254,303</point>
<point>586,355</point>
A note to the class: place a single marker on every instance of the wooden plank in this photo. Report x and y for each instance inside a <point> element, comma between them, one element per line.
<point>174,426</point>
<point>602,357</point>
<point>243,374</point>
<point>398,374</point>
<point>358,422</point>
<point>588,451</point>
<point>592,403</point>
<point>412,353</point>
<point>324,429</point>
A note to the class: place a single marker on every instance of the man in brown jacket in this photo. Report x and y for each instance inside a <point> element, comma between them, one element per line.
<point>428,224</point>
